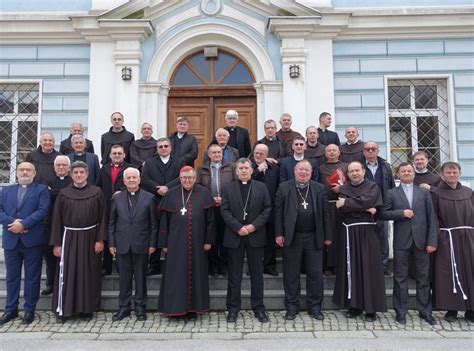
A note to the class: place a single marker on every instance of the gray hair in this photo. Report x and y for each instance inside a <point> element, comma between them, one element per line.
<point>131,169</point>
<point>60,157</point>
<point>231,113</point>
<point>76,137</point>
<point>220,130</point>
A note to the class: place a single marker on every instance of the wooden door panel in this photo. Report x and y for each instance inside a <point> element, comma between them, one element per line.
<point>198,114</point>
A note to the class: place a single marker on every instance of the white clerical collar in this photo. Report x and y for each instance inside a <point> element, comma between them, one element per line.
<point>323,129</point>
<point>165,159</point>
<point>79,153</point>
<point>407,185</point>
<point>61,178</point>
<point>299,158</point>
<point>180,135</point>
<point>23,185</point>
<point>271,139</point>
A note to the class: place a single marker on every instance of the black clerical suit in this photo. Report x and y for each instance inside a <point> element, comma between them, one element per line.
<point>256,212</point>
<point>133,229</point>
<point>410,238</point>
<point>303,219</point>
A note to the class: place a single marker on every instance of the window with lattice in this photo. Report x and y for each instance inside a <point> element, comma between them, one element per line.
<point>418,120</point>
<point>19,110</point>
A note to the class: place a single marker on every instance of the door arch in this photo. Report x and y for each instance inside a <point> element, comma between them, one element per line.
<point>204,88</point>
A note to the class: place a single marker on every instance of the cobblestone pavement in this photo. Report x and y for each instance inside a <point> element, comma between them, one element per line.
<point>214,325</point>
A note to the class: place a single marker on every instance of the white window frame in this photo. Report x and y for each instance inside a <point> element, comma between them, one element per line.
<point>39,82</point>
<point>453,155</point>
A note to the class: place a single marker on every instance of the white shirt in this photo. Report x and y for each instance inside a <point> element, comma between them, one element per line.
<point>165,159</point>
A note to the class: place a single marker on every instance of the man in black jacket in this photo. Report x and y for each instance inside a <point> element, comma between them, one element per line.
<point>277,149</point>
<point>327,136</point>
<point>133,230</point>
<point>117,135</point>
<point>183,144</point>
<point>245,209</point>
<point>303,226</point>
<point>66,148</point>
<point>160,173</point>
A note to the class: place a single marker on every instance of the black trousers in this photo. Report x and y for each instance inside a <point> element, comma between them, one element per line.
<point>132,266</point>
<point>302,251</point>
<point>421,265</point>
<point>51,263</point>
<point>236,268</point>
<point>269,260</point>
<point>218,260</point>
<point>382,231</point>
<point>154,260</point>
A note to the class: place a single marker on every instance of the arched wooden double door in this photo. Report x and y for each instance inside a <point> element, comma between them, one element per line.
<point>203,89</point>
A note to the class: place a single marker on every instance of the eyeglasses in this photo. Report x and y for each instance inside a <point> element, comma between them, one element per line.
<point>298,144</point>
<point>186,178</point>
<point>370,149</point>
<point>163,146</point>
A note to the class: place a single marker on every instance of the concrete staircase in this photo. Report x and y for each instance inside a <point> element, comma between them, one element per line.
<point>218,288</point>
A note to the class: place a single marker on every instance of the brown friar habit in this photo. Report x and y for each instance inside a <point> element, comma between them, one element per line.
<point>77,208</point>
<point>141,150</point>
<point>427,178</point>
<point>367,285</point>
<point>333,250</point>
<point>316,152</point>
<point>455,208</point>
<point>185,282</point>
<point>351,152</point>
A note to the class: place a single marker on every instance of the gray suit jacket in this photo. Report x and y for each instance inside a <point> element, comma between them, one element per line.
<point>136,230</point>
<point>422,228</point>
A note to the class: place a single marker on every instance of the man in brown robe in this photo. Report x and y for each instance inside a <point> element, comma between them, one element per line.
<point>186,234</point>
<point>286,133</point>
<point>333,176</point>
<point>143,148</point>
<point>453,281</point>
<point>314,149</point>
<point>360,281</point>
<point>352,149</point>
<point>78,231</point>
<point>423,177</point>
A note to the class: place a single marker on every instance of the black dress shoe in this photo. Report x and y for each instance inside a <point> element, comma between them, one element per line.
<point>370,317</point>
<point>104,272</point>
<point>469,316</point>
<point>451,316</point>
<point>271,271</point>
<point>290,315</point>
<point>61,319</point>
<point>8,316</point>
<point>28,317</point>
<point>121,314</point>
<point>262,317</point>
<point>141,314</point>
<point>153,271</point>
<point>232,317</point>
<point>387,272</point>
<point>191,316</point>
<point>353,313</point>
<point>223,272</point>
<point>47,291</point>
<point>316,314</point>
<point>428,318</point>
<point>401,319</point>
<point>87,317</point>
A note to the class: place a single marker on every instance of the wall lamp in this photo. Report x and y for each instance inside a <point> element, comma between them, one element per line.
<point>294,71</point>
<point>126,73</point>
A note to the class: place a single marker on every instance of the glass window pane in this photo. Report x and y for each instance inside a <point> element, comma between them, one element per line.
<point>426,97</point>
<point>7,101</point>
<point>201,64</point>
<point>239,75</point>
<point>5,151</point>
<point>27,136</point>
<point>429,140</point>
<point>184,76</point>
<point>28,102</point>
<point>399,97</point>
<point>223,62</point>
<point>400,140</point>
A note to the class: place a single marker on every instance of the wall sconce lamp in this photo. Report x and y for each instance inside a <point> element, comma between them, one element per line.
<point>294,71</point>
<point>126,73</point>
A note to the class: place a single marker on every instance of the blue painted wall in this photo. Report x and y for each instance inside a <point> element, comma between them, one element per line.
<point>359,70</point>
<point>64,71</point>
<point>44,5</point>
<point>398,3</point>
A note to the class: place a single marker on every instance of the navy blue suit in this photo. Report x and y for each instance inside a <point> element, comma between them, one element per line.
<point>93,166</point>
<point>27,247</point>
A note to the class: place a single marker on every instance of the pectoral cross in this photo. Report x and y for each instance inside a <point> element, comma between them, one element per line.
<point>305,204</point>
<point>183,211</point>
<point>245,215</point>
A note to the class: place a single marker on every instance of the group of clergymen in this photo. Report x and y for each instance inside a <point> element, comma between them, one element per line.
<point>324,203</point>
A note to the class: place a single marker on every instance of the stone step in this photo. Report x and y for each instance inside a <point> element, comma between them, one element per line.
<point>111,282</point>
<point>273,300</point>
